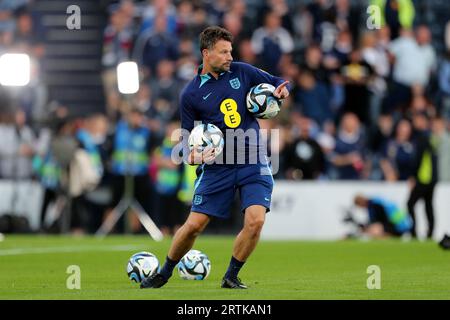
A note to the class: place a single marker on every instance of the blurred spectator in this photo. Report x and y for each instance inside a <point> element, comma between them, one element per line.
<point>185,9</point>
<point>357,75</point>
<point>271,42</point>
<point>155,45</point>
<point>313,62</point>
<point>7,10</point>
<point>444,86</point>
<point>17,148</point>
<point>132,147</point>
<point>407,72</point>
<point>118,39</point>
<point>33,98</point>
<point>385,218</point>
<point>420,103</point>
<point>24,34</point>
<point>347,17</point>
<point>168,183</point>
<point>339,53</point>
<point>323,31</point>
<point>159,8</point>
<point>396,14</point>
<point>441,130</point>
<point>303,26</point>
<point>349,153</point>
<point>376,56</point>
<point>313,98</point>
<point>91,205</point>
<point>425,171</point>
<point>187,63</point>
<point>304,159</point>
<point>398,156</point>
<point>51,167</point>
<point>239,9</point>
<point>423,39</point>
<point>447,35</point>
<point>281,8</point>
<point>245,52</point>
<point>164,87</point>
<point>117,46</point>
<point>382,134</point>
<point>233,23</point>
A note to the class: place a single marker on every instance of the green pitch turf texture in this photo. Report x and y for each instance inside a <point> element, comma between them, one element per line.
<point>34,267</point>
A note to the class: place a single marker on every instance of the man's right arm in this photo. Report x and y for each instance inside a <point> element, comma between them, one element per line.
<point>188,117</point>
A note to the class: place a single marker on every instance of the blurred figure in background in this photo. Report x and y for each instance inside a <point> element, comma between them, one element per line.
<point>376,56</point>
<point>444,86</point>
<point>133,143</point>
<point>17,148</point>
<point>396,14</point>
<point>304,159</point>
<point>168,183</point>
<point>117,46</point>
<point>357,76</point>
<point>91,204</point>
<point>441,130</point>
<point>425,171</point>
<point>349,156</point>
<point>155,45</point>
<point>398,155</point>
<point>407,73</point>
<point>271,42</point>
<point>313,98</point>
<point>385,218</point>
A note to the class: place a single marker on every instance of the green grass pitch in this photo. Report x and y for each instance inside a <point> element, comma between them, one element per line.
<point>35,267</point>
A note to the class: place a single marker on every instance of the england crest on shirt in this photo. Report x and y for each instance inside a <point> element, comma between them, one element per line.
<point>235,83</point>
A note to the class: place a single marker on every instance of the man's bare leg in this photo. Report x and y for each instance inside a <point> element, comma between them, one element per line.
<point>244,245</point>
<point>182,242</point>
<point>185,236</point>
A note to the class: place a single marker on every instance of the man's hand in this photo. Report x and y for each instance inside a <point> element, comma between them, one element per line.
<point>199,157</point>
<point>281,91</point>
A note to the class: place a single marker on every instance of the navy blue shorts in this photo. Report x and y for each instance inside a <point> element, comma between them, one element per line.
<point>216,185</point>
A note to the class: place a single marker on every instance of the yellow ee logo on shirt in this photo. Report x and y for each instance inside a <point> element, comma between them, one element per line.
<point>232,118</point>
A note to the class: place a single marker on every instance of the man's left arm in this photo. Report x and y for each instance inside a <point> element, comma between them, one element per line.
<point>258,76</point>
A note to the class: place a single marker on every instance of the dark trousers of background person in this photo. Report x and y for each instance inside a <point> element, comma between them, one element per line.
<point>79,220</point>
<point>49,196</point>
<point>425,192</point>
<point>171,213</point>
<point>398,98</point>
<point>142,194</point>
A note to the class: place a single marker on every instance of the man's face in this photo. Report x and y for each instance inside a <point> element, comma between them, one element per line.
<point>219,57</point>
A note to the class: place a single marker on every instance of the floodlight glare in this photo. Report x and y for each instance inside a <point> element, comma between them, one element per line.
<point>128,77</point>
<point>15,69</point>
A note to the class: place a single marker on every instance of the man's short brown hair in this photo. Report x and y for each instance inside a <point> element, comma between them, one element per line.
<point>210,36</point>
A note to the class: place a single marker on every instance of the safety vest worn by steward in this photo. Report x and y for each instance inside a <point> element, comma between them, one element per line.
<point>398,217</point>
<point>186,191</point>
<point>130,154</point>
<point>427,172</point>
<point>406,12</point>
<point>47,170</point>
<point>91,148</point>
<point>167,180</point>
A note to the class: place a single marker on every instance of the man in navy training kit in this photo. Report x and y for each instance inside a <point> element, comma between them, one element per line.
<point>217,95</point>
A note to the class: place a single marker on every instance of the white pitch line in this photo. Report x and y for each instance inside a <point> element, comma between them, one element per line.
<point>67,249</point>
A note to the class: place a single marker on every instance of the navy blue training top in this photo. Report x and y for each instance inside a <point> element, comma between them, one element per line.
<point>222,102</point>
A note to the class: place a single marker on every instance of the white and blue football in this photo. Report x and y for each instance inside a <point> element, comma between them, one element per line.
<point>261,102</point>
<point>204,135</point>
<point>142,265</point>
<point>195,265</point>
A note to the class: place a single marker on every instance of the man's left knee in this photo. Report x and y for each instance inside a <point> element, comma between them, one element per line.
<point>254,218</point>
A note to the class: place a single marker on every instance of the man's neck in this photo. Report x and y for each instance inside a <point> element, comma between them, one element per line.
<point>207,69</point>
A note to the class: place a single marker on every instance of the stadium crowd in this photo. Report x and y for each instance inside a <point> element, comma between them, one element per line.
<point>360,101</point>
